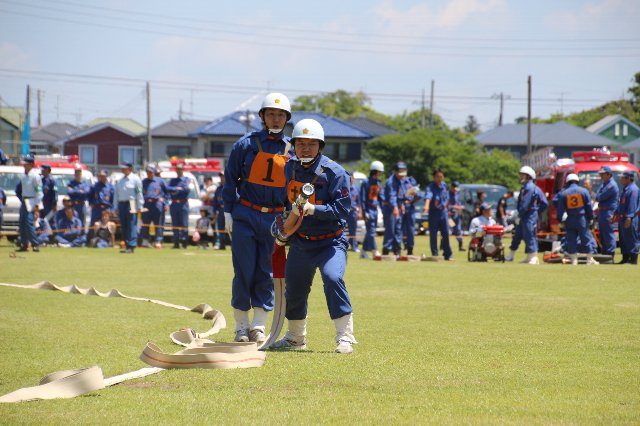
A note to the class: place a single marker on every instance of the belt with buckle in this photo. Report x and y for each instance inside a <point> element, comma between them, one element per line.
<point>180,200</point>
<point>151,200</point>
<point>261,208</point>
<point>320,237</point>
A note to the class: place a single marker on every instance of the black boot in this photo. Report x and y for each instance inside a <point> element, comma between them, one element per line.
<point>176,245</point>
<point>633,259</point>
<point>625,259</point>
<point>385,251</point>
<point>410,251</point>
<point>460,247</point>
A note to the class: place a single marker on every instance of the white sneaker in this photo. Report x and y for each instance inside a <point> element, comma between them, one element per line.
<point>510,257</point>
<point>242,335</point>
<point>257,335</point>
<point>288,342</point>
<point>574,259</point>
<point>531,259</point>
<point>344,347</point>
<point>592,261</point>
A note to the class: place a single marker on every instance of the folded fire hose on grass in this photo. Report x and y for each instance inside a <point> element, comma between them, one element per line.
<point>199,352</point>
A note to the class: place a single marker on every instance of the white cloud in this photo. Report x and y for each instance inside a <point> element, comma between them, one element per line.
<point>423,17</point>
<point>13,56</point>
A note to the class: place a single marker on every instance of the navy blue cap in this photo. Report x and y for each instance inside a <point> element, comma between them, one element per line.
<point>28,159</point>
<point>401,165</point>
<point>455,184</point>
<point>605,169</point>
<point>46,167</point>
<point>123,165</point>
<point>103,172</point>
<point>485,206</point>
<point>628,174</point>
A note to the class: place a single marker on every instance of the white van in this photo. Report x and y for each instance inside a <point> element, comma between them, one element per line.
<point>9,178</point>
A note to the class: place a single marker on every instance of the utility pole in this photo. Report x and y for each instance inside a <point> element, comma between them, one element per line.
<point>502,97</point>
<point>431,105</point>
<point>422,109</point>
<point>529,115</point>
<point>148,152</point>
<point>57,107</point>
<point>39,109</point>
<point>180,111</point>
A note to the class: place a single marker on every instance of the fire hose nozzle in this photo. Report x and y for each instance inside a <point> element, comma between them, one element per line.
<point>306,192</point>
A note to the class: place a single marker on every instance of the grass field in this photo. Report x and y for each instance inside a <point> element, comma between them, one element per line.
<point>449,342</point>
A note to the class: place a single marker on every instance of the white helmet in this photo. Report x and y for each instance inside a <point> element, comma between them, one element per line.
<point>572,177</point>
<point>528,171</point>
<point>277,101</point>
<point>376,166</point>
<point>308,129</point>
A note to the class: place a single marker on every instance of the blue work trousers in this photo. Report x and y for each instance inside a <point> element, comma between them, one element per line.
<point>252,245</point>
<point>576,226</point>
<point>439,222</point>
<point>628,236</point>
<point>607,234</point>
<point>526,230</point>
<point>392,240</point>
<point>128,224</point>
<point>27,228</point>
<point>81,208</point>
<point>370,224</point>
<point>155,210</point>
<point>223,237</point>
<point>179,221</point>
<point>409,225</point>
<point>331,260</point>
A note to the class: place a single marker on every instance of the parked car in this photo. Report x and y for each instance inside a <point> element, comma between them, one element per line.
<point>468,195</point>
<point>61,172</point>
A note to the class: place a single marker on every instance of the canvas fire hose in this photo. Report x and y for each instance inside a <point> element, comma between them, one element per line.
<point>283,227</point>
<point>199,352</point>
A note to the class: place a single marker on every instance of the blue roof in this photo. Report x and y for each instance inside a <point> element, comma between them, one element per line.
<point>231,125</point>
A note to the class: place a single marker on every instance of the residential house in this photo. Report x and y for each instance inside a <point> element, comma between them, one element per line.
<point>372,127</point>
<point>43,139</point>
<point>344,141</point>
<point>175,138</point>
<point>617,128</point>
<point>106,143</point>
<point>11,122</point>
<point>633,148</point>
<point>564,138</point>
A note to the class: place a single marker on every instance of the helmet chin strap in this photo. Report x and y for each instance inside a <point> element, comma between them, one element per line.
<point>274,131</point>
<point>307,161</point>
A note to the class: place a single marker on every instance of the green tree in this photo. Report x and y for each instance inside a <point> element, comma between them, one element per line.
<point>472,125</point>
<point>462,158</point>
<point>340,104</point>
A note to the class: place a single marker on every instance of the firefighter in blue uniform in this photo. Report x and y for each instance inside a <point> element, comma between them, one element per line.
<point>392,213</point>
<point>100,198</point>
<point>437,206</point>
<point>455,207</point>
<point>178,188</point>
<point>153,210</point>
<point>254,193</point>
<point>70,231</point>
<point>575,201</point>
<point>370,198</point>
<point>407,197</point>
<point>530,201</point>
<point>166,196</point>
<point>607,198</point>
<point>352,220</point>
<point>217,205</point>
<point>319,242</point>
<point>49,194</point>
<point>78,191</point>
<point>627,216</point>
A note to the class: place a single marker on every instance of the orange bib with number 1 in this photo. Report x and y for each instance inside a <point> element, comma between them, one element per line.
<point>268,170</point>
<point>575,201</point>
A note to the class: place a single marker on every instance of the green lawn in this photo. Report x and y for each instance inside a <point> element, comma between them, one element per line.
<point>450,342</point>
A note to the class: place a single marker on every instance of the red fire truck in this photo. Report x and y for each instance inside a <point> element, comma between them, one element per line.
<point>551,174</point>
<point>199,167</point>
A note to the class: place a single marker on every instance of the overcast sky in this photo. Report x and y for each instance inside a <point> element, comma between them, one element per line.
<point>91,58</point>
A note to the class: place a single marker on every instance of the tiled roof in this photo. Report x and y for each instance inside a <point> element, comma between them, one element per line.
<point>607,121</point>
<point>556,134</point>
<point>177,128</point>
<point>53,132</point>
<point>128,124</point>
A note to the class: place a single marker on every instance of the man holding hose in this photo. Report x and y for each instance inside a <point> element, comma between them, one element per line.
<point>318,241</point>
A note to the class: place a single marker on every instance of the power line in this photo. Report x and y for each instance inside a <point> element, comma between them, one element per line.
<point>492,52</point>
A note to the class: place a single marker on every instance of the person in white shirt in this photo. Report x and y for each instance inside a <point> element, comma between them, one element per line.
<point>31,186</point>
<point>485,219</point>
<point>128,202</point>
